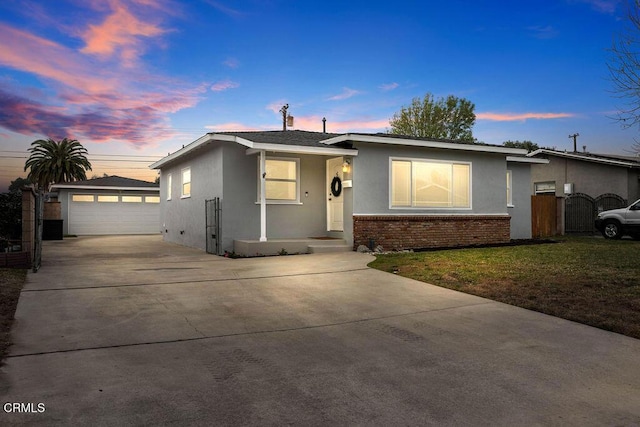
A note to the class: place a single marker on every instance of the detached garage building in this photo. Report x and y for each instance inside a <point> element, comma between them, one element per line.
<point>109,205</point>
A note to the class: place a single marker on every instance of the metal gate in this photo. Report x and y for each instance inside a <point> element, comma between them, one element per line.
<point>609,201</point>
<point>39,215</point>
<point>213,225</point>
<point>581,210</point>
<point>579,213</point>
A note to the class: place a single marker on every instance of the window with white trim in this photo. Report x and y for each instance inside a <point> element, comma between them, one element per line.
<point>282,180</point>
<point>509,188</point>
<point>547,187</point>
<point>418,183</point>
<point>169,187</point>
<point>186,182</point>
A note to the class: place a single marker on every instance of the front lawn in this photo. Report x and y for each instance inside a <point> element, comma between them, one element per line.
<point>586,279</point>
<point>11,283</point>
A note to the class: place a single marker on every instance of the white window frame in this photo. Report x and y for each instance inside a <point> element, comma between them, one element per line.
<point>550,190</point>
<point>297,181</point>
<point>510,188</point>
<point>168,186</point>
<point>183,194</point>
<point>421,208</point>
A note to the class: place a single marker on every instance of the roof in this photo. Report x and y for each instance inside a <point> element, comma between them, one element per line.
<point>109,183</point>
<point>305,142</point>
<point>607,159</point>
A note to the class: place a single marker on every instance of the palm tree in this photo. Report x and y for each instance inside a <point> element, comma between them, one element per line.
<point>56,161</point>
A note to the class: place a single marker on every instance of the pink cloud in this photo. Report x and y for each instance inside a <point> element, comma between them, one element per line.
<point>119,34</point>
<point>234,127</point>
<point>275,106</point>
<point>346,94</point>
<point>514,117</point>
<point>84,98</point>
<point>223,85</point>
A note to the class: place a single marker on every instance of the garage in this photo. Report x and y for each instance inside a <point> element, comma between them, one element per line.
<point>109,206</point>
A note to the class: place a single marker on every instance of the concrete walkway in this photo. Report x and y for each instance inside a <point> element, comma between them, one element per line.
<point>134,331</point>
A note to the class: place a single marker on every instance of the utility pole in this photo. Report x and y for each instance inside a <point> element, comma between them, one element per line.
<point>575,141</point>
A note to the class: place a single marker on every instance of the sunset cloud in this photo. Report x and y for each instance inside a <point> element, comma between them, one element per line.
<point>85,99</point>
<point>119,34</point>
<point>346,94</point>
<point>232,63</point>
<point>223,85</point>
<point>514,117</point>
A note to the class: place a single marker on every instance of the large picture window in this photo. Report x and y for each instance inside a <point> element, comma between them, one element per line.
<point>430,184</point>
<point>282,180</point>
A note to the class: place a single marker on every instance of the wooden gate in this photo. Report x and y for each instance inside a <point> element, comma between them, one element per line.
<point>543,215</point>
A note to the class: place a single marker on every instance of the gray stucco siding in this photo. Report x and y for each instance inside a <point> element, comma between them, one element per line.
<point>241,210</point>
<point>590,178</point>
<point>521,196</point>
<point>184,219</point>
<point>371,179</point>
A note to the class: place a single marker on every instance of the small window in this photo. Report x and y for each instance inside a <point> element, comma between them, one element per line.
<point>152,199</point>
<point>548,187</point>
<point>282,181</point>
<point>82,198</point>
<point>132,199</point>
<point>108,199</point>
<point>509,190</point>
<point>169,187</point>
<point>186,182</point>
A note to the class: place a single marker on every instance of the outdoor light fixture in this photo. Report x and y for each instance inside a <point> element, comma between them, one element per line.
<point>345,166</point>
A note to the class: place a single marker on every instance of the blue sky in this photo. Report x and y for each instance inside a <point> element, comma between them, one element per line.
<point>135,79</point>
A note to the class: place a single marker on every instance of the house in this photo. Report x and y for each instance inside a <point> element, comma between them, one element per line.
<point>108,205</point>
<point>586,173</point>
<point>265,192</point>
<point>585,184</point>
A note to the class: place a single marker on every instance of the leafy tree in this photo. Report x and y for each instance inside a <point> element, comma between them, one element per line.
<point>17,184</point>
<point>11,211</point>
<point>527,145</point>
<point>56,161</point>
<point>442,118</point>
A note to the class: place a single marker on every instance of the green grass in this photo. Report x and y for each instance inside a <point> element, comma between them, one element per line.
<point>585,279</point>
<point>11,283</point>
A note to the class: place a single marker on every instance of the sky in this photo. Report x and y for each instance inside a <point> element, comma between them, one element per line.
<point>133,80</point>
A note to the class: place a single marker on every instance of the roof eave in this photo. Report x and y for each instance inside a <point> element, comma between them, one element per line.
<point>423,143</point>
<point>101,187</point>
<point>584,158</point>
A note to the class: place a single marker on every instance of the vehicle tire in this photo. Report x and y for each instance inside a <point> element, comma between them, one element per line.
<point>612,230</point>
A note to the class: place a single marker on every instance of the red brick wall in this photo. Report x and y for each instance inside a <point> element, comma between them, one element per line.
<point>415,232</point>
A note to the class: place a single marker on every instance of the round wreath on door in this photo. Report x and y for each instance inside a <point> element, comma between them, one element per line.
<point>336,186</point>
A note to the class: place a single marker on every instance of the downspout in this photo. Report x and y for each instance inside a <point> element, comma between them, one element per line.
<point>263,197</point>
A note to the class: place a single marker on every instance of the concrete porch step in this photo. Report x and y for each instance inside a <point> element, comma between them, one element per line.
<point>317,249</point>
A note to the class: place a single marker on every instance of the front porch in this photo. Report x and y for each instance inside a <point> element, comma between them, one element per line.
<point>305,245</point>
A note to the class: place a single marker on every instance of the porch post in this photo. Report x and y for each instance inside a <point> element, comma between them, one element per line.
<point>263,198</point>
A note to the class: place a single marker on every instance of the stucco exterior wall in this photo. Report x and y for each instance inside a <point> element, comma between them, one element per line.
<point>590,178</point>
<point>225,170</point>
<point>371,180</point>
<point>520,211</point>
<point>184,219</point>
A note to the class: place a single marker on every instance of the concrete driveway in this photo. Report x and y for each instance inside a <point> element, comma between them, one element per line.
<point>134,331</point>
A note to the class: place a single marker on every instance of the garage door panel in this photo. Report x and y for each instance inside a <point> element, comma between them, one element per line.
<point>99,218</point>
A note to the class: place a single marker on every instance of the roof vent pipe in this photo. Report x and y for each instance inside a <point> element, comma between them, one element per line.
<point>324,125</point>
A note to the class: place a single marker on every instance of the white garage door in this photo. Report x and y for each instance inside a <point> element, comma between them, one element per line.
<point>92,214</point>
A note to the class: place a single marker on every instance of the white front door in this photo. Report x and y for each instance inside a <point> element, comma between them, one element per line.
<point>335,203</point>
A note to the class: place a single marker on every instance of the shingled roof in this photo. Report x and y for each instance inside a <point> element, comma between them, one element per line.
<point>109,181</point>
<point>289,137</point>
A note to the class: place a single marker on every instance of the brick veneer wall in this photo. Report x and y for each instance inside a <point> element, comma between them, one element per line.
<point>415,232</point>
